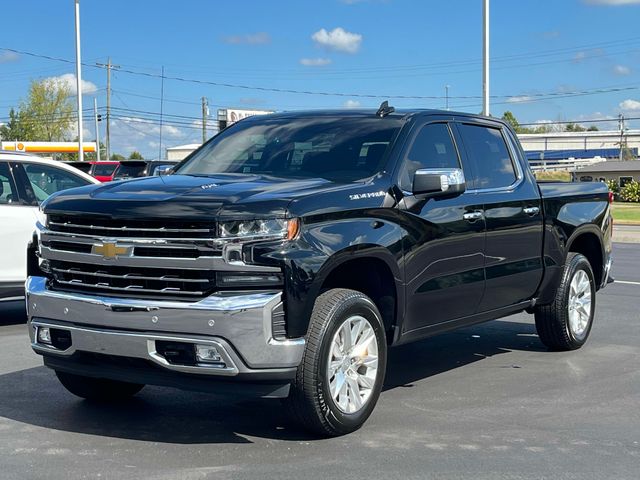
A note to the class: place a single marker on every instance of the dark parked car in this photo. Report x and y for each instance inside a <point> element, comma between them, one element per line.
<point>142,168</point>
<point>286,255</point>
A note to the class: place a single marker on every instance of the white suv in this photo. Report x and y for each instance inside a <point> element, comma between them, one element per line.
<point>25,181</point>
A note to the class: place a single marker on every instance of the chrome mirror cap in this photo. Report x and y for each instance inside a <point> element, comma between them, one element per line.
<point>438,181</point>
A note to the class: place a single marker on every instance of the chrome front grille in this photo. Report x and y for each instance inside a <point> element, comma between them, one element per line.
<point>160,259</point>
<point>124,280</point>
<point>100,226</point>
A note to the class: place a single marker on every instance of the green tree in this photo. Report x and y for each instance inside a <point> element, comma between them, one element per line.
<point>17,128</point>
<point>48,110</point>
<point>511,119</point>
<point>136,155</point>
<point>574,127</point>
<point>117,156</point>
<point>593,128</point>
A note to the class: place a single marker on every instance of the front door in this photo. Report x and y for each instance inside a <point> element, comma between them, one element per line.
<point>444,244</point>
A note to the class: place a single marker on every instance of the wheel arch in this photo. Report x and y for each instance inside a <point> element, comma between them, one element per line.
<point>587,241</point>
<point>371,270</point>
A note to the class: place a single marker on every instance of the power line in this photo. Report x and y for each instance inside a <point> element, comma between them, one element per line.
<point>335,94</point>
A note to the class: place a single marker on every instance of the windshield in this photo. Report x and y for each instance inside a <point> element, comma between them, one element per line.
<point>336,148</point>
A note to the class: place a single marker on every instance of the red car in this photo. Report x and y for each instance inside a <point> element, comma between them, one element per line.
<point>103,171</point>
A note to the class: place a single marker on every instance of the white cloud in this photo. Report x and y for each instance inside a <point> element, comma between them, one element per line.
<point>621,70</point>
<point>520,99</point>
<point>69,80</point>
<point>633,105</point>
<point>258,38</point>
<point>338,39</point>
<point>579,57</point>
<point>7,56</point>
<point>315,62</point>
<point>613,3</point>
<point>351,104</point>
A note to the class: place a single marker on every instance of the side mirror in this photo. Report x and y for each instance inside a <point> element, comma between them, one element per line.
<point>437,182</point>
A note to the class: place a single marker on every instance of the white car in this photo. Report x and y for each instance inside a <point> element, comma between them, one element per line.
<point>25,181</point>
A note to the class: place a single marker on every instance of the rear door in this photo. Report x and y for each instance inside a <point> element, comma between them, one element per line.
<point>512,211</point>
<point>444,243</point>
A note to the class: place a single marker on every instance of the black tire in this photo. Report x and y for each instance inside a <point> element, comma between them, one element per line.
<point>97,389</point>
<point>552,321</point>
<point>310,399</point>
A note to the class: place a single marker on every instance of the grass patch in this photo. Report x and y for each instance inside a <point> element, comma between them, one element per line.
<point>553,176</point>
<point>626,212</point>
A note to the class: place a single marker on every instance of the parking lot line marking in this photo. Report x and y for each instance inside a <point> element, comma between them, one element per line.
<point>627,282</point>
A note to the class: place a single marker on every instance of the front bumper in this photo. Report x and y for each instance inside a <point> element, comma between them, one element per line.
<point>238,324</point>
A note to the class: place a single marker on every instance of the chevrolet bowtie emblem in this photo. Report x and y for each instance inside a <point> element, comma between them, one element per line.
<point>109,250</point>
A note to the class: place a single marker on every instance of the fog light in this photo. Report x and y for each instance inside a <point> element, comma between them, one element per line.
<point>44,335</point>
<point>207,354</point>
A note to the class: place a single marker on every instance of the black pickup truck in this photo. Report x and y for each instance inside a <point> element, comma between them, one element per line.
<point>287,254</point>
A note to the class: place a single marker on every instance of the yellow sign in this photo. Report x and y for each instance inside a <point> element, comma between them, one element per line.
<point>109,250</point>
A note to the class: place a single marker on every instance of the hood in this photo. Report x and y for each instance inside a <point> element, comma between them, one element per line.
<point>188,197</point>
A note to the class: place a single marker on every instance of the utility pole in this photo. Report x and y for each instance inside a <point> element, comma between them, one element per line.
<point>108,66</point>
<point>446,94</point>
<point>79,81</point>
<point>485,58</point>
<point>621,126</point>
<point>205,114</point>
<point>161,108</point>
<point>95,120</point>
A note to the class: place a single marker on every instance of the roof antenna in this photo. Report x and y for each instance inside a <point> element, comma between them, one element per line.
<point>385,109</point>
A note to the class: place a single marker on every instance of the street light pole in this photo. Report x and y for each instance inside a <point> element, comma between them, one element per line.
<point>485,57</point>
<point>79,81</point>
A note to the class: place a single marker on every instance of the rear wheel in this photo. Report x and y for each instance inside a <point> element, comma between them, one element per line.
<point>97,389</point>
<point>342,370</point>
<point>566,323</point>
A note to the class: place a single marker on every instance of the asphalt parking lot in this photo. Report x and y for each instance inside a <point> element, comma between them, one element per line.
<point>487,402</point>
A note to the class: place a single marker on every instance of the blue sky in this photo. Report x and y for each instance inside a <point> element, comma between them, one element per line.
<point>542,50</point>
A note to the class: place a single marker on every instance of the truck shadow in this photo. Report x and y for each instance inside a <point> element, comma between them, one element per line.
<point>34,396</point>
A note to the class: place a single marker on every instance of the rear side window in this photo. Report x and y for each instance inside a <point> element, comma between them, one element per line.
<point>487,150</point>
<point>431,148</point>
<point>7,192</point>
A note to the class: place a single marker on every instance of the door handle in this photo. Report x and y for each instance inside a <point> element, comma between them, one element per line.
<point>472,216</point>
<point>531,211</point>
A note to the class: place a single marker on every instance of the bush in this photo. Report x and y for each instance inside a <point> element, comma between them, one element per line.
<point>613,186</point>
<point>630,192</point>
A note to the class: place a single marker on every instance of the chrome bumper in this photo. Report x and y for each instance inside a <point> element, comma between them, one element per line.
<point>239,325</point>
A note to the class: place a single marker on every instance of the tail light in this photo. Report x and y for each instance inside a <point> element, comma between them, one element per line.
<point>610,197</point>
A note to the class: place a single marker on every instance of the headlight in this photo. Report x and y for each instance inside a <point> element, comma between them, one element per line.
<point>41,218</point>
<point>268,229</point>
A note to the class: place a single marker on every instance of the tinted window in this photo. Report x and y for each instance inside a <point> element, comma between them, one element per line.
<point>46,180</point>
<point>104,170</point>
<point>335,148</point>
<point>432,148</point>
<point>7,192</point>
<point>486,148</point>
<point>131,170</point>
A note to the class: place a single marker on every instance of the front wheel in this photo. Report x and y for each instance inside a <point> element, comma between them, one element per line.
<point>342,370</point>
<point>566,323</point>
<point>97,389</point>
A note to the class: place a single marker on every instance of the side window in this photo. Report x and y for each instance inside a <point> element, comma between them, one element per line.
<point>624,181</point>
<point>432,148</point>
<point>486,148</point>
<point>45,179</point>
<point>7,190</point>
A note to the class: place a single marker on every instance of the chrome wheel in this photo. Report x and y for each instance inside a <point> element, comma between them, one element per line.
<point>579,303</point>
<point>352,366</point>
